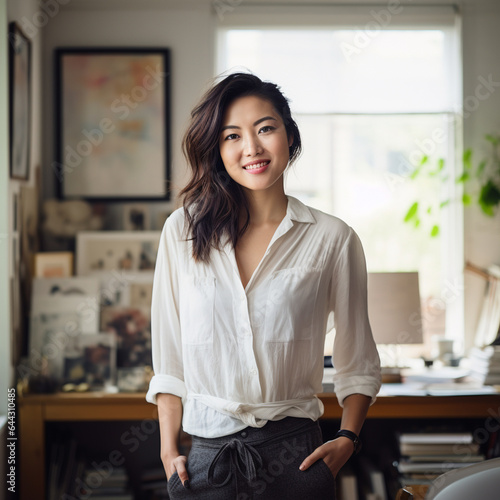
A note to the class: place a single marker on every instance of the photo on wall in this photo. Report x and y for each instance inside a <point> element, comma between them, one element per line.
<point>116,251</point>
<point>112,123</point>
<point>20,102</point>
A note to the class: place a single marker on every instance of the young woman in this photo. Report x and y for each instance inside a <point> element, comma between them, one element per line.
<point>245,281</point>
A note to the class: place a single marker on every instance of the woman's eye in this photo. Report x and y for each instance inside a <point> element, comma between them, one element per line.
<point>231,137</point>
<point>267,128</point>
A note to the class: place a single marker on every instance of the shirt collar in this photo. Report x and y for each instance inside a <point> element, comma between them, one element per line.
<point>297,211</point>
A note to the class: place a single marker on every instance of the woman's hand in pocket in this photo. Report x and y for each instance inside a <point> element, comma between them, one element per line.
<point>334,453</point>
<point>176,464</point>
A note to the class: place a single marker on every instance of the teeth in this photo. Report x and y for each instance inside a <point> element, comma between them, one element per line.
<point>258,165</point>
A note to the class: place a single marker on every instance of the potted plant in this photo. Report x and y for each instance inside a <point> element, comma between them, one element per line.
<point>486,173</point>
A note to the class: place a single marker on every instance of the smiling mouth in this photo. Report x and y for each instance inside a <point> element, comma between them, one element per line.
<point>255,166</point>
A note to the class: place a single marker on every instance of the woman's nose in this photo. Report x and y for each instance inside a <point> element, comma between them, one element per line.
<point>252,146</point>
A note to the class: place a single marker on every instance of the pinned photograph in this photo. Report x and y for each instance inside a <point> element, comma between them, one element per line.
<point>90,359</point>
<point>53,264</point>
<point>116,251</point>
<point>131,327</point>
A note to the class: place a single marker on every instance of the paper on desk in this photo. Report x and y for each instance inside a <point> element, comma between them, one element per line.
<point>403,390</point>
<point>462,389</point>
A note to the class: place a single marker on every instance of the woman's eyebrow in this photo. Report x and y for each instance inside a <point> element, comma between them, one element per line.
<point>260,120</point>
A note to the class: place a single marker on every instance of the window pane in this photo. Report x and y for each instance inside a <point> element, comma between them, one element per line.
<point>325,71</point>
<point>358,168</point>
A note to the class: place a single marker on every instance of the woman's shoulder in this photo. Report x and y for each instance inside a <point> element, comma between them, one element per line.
<point>175,222</point>
<point>330,224</point>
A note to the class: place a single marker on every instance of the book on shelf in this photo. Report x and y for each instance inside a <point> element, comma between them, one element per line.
<point>438,449</point>
<point>409,466</point>
<point>436,438</point>
<point>371,481</point>
<point>348,484</point>
<point>447,458</point>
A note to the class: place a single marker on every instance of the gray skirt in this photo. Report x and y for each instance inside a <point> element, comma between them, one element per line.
<point>258,464</point>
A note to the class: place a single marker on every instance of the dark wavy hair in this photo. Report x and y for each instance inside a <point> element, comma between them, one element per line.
<point>212,199</point>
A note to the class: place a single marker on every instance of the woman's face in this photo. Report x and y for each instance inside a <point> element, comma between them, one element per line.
<point>253,143</point>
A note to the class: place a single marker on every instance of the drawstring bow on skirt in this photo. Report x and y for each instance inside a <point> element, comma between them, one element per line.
<point>242,457</point>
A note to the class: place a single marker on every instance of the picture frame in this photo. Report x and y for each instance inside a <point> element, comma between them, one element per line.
<point>112,123</point>
<point>131,327</point>
<point>90,359</point>
<point>20,102</point>
<point>98,251</point>
<point>125,288</point>
<point>53,264</point>
<point>50,334</point>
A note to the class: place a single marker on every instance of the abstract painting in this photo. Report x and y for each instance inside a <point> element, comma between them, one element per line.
<point>112,123</point>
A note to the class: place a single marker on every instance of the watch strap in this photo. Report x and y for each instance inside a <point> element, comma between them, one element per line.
<point>350,435</point>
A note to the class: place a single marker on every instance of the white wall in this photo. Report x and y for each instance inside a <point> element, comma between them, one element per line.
<point>184,27</point>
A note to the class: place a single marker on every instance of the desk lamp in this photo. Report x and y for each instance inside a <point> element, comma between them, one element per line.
<point>395,316</point>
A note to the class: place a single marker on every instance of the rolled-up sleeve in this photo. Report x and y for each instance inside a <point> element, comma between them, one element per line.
<point>165,325</point>
<point>355,355</point>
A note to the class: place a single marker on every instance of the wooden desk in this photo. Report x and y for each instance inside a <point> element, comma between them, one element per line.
<point>36,410</point>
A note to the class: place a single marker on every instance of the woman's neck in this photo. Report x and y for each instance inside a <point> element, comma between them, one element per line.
<point>266,209</point>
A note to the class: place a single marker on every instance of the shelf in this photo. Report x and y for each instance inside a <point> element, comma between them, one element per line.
<point>36,410</point>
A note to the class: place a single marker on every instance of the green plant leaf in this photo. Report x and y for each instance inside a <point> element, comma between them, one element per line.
<point>417,222</point>
<point>419,167</point>
<point>440,164</point>
<point>464,177</point>
<point>467,158</point>
<point>495,140</point>
<point>412,212</point>
<point>429,210</point>
<point>466,199</point>
<point>480,168</point>
<point>489,197</point>
<point>444,203</point>
<point>434,231</point>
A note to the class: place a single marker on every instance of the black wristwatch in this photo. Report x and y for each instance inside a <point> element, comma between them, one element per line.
<point>352,436</point>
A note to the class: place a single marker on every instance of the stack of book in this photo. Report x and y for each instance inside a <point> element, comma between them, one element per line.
<point>425,456</point>
<point>485,365</point>
<point>72,474</point>
<point>106,484</point>
<point>154,484</point>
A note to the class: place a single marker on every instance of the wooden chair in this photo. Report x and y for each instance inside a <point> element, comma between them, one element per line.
<point>404,495</point>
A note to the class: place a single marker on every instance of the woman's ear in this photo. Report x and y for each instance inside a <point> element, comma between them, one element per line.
<point>290,140</point>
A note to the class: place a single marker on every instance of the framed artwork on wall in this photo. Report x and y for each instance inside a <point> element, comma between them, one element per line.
<point>112,123</point>
<point>123,251</point>
<point>20,102</point>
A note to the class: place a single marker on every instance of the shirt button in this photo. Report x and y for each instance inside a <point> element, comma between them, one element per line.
<point>253,371</point>
<point>244,434</point>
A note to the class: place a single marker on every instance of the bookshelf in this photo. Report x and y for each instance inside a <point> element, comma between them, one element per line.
<point>35,411</point>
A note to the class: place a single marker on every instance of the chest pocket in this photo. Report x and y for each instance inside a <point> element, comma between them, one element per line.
<point>197,310</point>
<point>290,305</point>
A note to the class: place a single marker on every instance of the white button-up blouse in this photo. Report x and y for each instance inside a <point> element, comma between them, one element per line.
<point>241,356</point>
